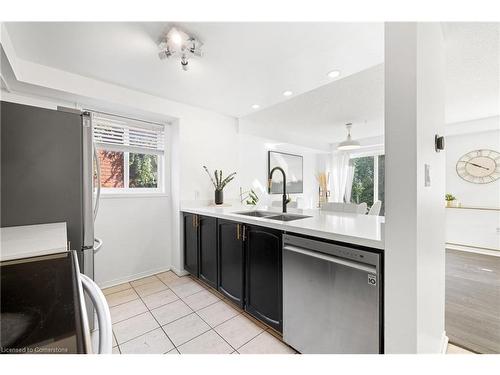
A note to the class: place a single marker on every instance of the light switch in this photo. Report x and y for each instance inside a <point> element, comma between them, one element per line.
<point>427,175</point>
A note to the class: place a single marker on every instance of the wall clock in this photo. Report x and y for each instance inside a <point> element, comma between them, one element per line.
<point>479,166</point>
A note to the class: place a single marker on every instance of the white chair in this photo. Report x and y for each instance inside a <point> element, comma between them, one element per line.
<point>375,208</point>
<point>352,208</point>
<point>333,206</point>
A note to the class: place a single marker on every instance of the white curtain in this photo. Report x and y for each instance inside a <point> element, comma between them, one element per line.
<point>342,173</point>
<point>348,184</point>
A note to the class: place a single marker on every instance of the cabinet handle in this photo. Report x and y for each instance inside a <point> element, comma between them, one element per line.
<point>237,231</point>
<point>244,236</point>
<point>196,221</point>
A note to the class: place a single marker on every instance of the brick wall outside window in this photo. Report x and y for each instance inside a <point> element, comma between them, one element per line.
<point>111,169</point>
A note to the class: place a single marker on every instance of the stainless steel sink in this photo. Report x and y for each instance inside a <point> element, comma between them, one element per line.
<point>287,217</point>
<point>256,213</point>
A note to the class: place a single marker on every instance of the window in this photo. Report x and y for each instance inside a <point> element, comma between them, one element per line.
<point>131,154</point>
<point>368,180</point>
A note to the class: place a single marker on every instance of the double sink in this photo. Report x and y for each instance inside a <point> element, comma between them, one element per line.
<point>272,215</point>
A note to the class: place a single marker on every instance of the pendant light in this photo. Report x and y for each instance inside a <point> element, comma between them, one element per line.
<point>349,143</point>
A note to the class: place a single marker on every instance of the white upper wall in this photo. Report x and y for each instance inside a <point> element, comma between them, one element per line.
<point>457,145</point>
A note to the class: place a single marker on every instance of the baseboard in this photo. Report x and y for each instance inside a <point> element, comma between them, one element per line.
<point>444,343</point>
<point>133,277</point>
<point>179,272</point>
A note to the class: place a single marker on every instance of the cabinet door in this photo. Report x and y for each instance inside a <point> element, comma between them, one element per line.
<point>263,298</point>
<point>191,244</point>
<point>231,261</point>
<point>208,250</point>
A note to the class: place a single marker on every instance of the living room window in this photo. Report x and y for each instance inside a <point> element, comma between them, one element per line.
<point>368,183</point>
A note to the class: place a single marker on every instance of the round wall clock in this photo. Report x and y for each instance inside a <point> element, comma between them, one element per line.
<point>479,166</point>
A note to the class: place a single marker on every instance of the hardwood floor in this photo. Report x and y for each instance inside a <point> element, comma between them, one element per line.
<point>473,301</point>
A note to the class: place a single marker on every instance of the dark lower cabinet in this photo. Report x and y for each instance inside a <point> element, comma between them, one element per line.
<point>191,243</point>
<point>243,262</point>
<point>208,250</point>
<point>263,275</point>
<point>231,261</point>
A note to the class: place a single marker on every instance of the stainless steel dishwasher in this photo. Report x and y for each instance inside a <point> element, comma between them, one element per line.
<point>331,297</point>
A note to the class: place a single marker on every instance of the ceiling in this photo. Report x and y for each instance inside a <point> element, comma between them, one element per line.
<point>472,70</point>
<point>253,63</point>
<point>472,57</point>
<point>321,114</point>
<point>243,63</point>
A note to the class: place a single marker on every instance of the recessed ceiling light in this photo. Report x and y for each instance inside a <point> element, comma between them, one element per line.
<point>287,93</point>
<point>334,74</point>
<point>256,106</point>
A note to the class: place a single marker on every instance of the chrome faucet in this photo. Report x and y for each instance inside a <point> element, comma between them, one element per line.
<point>286,200</point>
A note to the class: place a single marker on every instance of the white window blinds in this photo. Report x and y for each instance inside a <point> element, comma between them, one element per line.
<point>124,134</point>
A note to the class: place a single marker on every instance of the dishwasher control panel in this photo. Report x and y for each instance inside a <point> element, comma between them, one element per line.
<point>336,250</point>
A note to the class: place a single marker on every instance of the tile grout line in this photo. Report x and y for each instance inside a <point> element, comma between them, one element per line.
<point>148,310</point>
<point>242,312</point>
<point>211,328</point>
<point>156,320</point>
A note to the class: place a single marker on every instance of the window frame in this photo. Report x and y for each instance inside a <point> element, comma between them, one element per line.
<point>163,167</point>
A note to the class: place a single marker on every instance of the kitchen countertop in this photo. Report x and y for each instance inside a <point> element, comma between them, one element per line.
<point>364,230</point>
<point>33,240</point>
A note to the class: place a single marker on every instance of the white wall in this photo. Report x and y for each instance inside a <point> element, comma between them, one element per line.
<point>414,230</point>
<point>252,168</point>
<point>469,194</point>
<point>136,234</point>
<point>477,228</point>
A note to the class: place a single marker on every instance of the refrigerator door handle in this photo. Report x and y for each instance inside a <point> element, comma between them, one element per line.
<point>98,181</point>
<point>88,204</point>
<point>103,314</point>
<point>97,244</point>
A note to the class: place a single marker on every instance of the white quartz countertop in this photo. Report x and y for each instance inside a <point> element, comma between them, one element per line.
<point>32,240</point>
<point>364,230</point>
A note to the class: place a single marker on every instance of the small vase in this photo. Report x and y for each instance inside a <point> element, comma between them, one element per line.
<point>219,197</point>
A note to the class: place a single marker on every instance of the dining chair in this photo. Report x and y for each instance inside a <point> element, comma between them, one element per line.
<point>375,208</point>
<point>333,206</point>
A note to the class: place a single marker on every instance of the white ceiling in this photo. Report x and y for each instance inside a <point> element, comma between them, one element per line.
<point>472,70</point>
<point>247,63</point>
<point>472,52</point>
<point>243,63</point>
<point>320,114</point>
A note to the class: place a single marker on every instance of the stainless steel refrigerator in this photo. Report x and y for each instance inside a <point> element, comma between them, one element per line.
<point>47,169</point>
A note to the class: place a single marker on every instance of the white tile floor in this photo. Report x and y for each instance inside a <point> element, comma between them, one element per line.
<point>168,314</point>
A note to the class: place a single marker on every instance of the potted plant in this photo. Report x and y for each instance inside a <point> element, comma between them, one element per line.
<point>450,200</point>
<point>219,183</point>
<point>249,197</point>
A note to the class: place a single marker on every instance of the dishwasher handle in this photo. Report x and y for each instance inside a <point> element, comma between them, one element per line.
<point>332,259</point>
